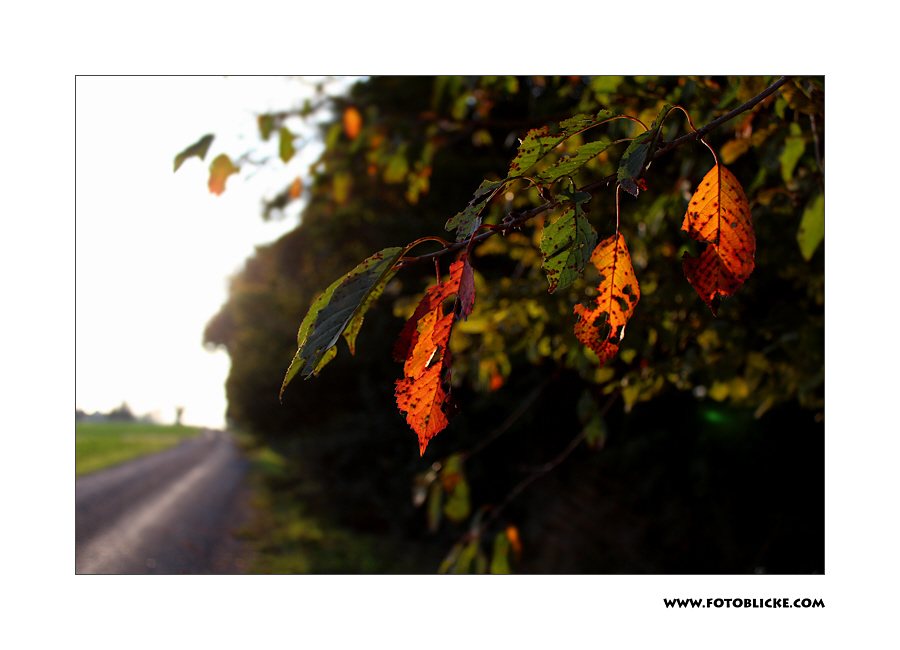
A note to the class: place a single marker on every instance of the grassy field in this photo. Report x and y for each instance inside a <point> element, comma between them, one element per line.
<point>101,444</point>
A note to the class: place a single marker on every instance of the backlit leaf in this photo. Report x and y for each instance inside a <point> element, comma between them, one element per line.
<point>466,296</point>
<point>198,149</point>
<point>335,310</point>
<point>794,146</point>
<point>539,142</point>
<point>266,125</point>
<point>812,227</point>
<point>219,171</point>
<point>500,556</point>
<point>601,326</point>
<point>286,149</point>
<point>638,153</point>
<point>570,165</point>
<point>352,122</point>
<point>719,214</point>
<point>423,347</point>
<point>567,245</point>
<point>295,189</point>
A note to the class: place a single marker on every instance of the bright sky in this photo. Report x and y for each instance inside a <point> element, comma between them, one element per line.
<point>154,249</point>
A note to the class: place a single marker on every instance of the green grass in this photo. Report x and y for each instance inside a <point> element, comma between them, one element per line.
<point>102,444</point>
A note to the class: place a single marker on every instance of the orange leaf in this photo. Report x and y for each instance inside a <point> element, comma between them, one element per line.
<point>601,327</point>
<point>719,214</point>
<point>422,346</point>
<point>352,122</point>
<point>296,188</point>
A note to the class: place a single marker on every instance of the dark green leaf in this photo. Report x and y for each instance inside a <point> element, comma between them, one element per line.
<point>198,149</point>
<point>333,311</point>
<point>639,153</point>
<point>266,126</point>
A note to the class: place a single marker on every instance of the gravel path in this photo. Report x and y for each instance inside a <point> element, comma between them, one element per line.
<point>172,512</point>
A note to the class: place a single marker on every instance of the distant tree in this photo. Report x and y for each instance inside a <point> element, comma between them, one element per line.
<point>121,414</point>
<point>179,413</point>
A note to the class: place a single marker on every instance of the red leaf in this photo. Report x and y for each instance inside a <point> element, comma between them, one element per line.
<point>422,346</point>
<point>466,297</point>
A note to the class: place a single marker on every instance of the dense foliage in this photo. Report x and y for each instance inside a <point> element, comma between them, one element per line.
<point>679,425</point>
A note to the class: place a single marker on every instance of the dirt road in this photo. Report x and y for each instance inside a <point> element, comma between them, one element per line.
<point>173,512</point>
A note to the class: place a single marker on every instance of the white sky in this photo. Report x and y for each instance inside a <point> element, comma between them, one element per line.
<point>154,249</point>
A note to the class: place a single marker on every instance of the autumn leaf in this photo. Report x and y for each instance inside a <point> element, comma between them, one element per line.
<point>198,149</point>
<point>219,171</point>
<point>295,189</point>
<point>465,301</point>
<point>423,347</point>
<point>338,310</point>
<point>352,122</point>
<point>601,326</point>
<point>719,214</point>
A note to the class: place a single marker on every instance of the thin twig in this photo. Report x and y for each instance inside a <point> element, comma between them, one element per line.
<point>539,472</point>
<point>511,420</point>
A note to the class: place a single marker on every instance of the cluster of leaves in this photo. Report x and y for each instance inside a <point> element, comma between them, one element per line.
<point>379,182</point>
<point>718,214</point>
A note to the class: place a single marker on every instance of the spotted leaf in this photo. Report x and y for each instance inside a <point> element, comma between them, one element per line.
<point>719,214</point>
<point>601,325</point>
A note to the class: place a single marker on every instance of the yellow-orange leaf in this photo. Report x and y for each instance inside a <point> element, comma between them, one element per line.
<point>601,326</point>
<point>719,214</point>
<point>352,122</point>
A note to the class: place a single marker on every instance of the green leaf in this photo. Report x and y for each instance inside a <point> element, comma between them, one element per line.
<point>634,160</point>
<point>332,312</point>
<point>266,126</point>
<point>812,227</point>
<point>794,146</point>
<point>219,171</point>
<point>500,556</point>
<point>435,494</point>
<point>198,149</point>
<point>458,505</point>
<point>286,149</point>
<point>451,558</point>
<point>356,322</point>
<point>567,245</point>
<point>570,166</point>
<point>466,221</point>
<point>539,142</point>
<point>466,557</point>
